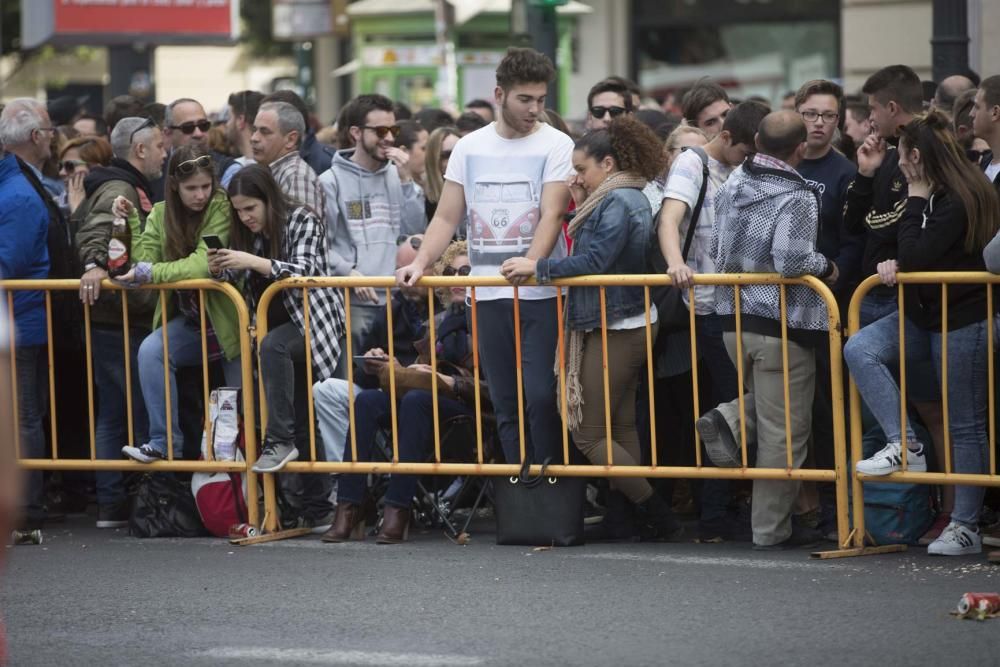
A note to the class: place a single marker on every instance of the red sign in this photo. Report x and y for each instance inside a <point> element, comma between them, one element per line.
<point>209,18</point>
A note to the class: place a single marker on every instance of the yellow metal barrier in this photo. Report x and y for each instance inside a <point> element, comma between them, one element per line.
<point>172,463</point>
<point>838,475</point>
<point>989,478</point>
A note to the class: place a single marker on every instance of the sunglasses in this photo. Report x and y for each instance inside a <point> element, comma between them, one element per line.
<point>415,241</point>
<point>188,167</point>
<point>147,123</point>
<point>189,127</point>
<point>445,155</point>
<point>598,112</point>
<point>463,270</point>
<point>70,165</point>
<point>382,130</point>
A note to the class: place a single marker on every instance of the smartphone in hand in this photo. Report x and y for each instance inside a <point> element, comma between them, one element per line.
<point>213,241</point>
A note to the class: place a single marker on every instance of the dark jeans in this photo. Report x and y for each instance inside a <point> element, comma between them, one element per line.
<point>281,348</point>
<point>111,430</point>
<point>32,404</point>
<point>715,493</point>
<point>415,437</point>
<point>539,341</point>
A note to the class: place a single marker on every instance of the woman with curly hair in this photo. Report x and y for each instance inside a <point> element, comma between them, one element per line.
<point>611,231</point>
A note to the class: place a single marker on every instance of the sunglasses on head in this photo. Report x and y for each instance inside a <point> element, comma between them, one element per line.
<point>188,167</point>
<point>70,165</point>
<point>382,130</point>
<point>415,241</point>
<point>463,270</point>
<point>189,127</point>
<point>598,112</point>
<point>146,123</point>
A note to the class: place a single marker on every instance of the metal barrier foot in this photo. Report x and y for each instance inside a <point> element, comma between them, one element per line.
<point>850,552</point>
<point>271,537</point>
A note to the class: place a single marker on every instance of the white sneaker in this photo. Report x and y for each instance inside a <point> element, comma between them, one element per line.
<point>889,460</point>
<point>956,540</point>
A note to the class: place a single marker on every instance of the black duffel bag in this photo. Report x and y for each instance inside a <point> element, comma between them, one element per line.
<point>163,506</point>
<point>540,511</point>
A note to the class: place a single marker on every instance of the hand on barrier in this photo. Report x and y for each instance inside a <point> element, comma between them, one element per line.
<point>122,207</point>
<point>90,285</point>
<point>870,155</point>
<point>517,270</point>
<point>409,274</point>
<point>887,272</point>
<point>364,293</point>
<point>137,276</point>
<point>681,275</point>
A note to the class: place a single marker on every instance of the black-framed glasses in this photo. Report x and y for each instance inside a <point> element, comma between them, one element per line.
<point>189,127</point>
<point>415,241</point>
<point>827,116</point>
<point>445,155</point>
<point>382,130</point>
<point>188,167</point>
<point>463,270</point>
<point>598,112</point>
<point>149,122</point>
<point>69,166</point>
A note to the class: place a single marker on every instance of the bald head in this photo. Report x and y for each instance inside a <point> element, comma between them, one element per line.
<point>782,134</point>
<point>949,90</point>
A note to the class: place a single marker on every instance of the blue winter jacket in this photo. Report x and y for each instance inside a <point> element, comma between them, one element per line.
<point>612,241</point>
<point>24,253</point>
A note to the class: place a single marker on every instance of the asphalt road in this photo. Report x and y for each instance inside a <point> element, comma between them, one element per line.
<point>89,597</point>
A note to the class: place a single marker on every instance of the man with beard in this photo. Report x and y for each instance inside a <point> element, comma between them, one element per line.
<point>138,150</point>
<point>365,206</point>
<point>243,107</point>
<point>511,177</point>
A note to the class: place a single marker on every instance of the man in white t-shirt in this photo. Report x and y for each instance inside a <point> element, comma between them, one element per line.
<point>511,178</point>
<point>725,152</point>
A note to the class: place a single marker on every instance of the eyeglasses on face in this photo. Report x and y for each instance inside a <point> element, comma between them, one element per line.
<point>382,130</point>
<point>147,123</point>
<point>188,167</point>
<point>827,116</point>
<point>598,112</point>
<point>415,241</point>
<point>463,270</point>
<point>189,127</point>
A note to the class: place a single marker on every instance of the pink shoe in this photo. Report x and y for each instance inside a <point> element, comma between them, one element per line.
<point>934,532</point>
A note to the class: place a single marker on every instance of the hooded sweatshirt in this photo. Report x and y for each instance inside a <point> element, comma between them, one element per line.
<point>766,221</point>
<point>364,217</point>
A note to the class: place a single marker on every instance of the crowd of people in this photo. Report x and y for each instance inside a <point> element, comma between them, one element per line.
<point>831,186</point>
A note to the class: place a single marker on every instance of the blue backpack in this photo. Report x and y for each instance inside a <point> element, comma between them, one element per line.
<point>896,513</point>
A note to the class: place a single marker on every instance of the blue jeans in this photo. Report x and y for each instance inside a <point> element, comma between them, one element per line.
<point>32,404</point>
<point>185,350</point>
<point>111,431</point>
<point>715,494</point>
<point>416,434</point>
<point>921,381</point>
<point>873,350</point>
<point>539,341</point>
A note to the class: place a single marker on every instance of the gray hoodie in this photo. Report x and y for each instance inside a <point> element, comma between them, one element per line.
<point>366,211</point>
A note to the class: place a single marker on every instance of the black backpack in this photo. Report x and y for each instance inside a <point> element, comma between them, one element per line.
<point>163,506</point>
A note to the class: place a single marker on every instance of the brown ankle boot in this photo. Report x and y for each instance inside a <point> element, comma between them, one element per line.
<point>395,525</point>
<point>348,524</point>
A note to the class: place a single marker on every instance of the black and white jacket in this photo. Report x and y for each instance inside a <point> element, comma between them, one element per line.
<point>304,253</point>
<point>766,221</point>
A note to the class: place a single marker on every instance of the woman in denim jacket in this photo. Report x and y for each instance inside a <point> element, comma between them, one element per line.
<point>611,232</point>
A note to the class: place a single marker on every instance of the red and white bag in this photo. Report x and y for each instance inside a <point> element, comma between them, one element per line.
<point>221,497</point>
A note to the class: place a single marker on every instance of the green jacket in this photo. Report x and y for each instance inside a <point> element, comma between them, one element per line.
<point>150,248</point>
<point>93,220</point>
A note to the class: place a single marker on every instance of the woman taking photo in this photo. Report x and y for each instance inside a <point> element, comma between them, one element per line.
<point>173,248</point>
<point>76,159</point>
<point>271,239</point>
<point>610,230</point>
<point>951,213</point>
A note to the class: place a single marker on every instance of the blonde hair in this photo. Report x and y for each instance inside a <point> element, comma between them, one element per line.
<point>674,138</point>
<point>433,177</point>
<point>456,249</point>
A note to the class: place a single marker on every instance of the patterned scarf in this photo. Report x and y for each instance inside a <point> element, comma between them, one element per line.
<point>574,337</point>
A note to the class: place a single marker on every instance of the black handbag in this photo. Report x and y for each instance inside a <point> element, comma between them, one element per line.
<point>671,311</point>
<point>540,511</point>
<point>163,506</point>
